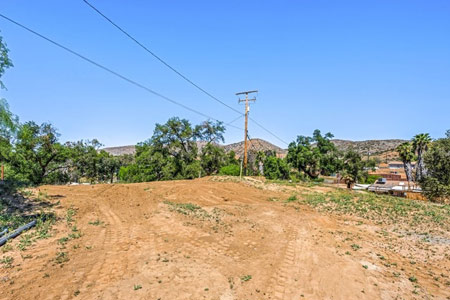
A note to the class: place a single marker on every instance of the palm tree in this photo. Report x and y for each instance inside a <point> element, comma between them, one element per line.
<point>260,158</point>
<point>420,144</point>
<point>406,153</point>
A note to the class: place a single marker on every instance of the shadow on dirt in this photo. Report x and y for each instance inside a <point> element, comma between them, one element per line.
<point>18,208</point>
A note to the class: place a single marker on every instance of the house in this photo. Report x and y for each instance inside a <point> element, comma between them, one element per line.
<point>398,165</point>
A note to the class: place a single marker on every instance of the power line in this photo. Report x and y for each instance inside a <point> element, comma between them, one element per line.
<point>159,58</point>
<point>175,70</point>
<point>268,131</point>
<point>234,120</point>
<point>261,145</point>
<point>113,72</point>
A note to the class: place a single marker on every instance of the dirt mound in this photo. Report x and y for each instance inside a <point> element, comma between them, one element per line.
<point>212,238</point>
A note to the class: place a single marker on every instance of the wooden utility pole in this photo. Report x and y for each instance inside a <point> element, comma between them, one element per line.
<point>247,108</point>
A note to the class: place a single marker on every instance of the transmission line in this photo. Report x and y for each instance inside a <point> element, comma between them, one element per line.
<point>158,57</point>
<point>175,70</point>
<point>131,81</point>
<point>268,131</point>
<point>234,120</point>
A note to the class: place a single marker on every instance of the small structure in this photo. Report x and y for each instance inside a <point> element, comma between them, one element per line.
<point>398,165</point>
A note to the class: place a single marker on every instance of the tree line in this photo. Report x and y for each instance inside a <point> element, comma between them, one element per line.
<point>32,155</point>
<point>432,171</point>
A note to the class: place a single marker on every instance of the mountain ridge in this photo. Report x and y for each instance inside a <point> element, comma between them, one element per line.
<point>363,147</point>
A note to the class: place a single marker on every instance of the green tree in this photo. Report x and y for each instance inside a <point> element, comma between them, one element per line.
<point>108,166</point>
<point>421,142</point>
<point>8,121</point>
<point>212,158</point>
<point>314,156</point>
<point>355,168</point>
<point>231,158</point>
<point>302,156</point>
<point>172,152</point>
<point>37,153</point>
<point>210,132</point>
<point>8,129</point>
<point>330,161</point>
<point>436,185</point>
<point>83,157</point>
<point>406,153</point>
<point>5,61</point>
<point>276,168</point>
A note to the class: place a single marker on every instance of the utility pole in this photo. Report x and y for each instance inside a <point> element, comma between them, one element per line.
<point>247,108</point>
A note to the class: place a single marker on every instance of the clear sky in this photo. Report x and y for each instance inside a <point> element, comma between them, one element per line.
<point>360,69</point>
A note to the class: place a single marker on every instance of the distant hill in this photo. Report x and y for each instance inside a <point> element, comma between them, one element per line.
<point>372,146</point>
<point>254,145</point>
<point>238,148</point>
<point>121,150</point>
<point>382,148</point>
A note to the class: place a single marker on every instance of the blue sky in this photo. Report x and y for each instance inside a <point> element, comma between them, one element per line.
<point>360,69</point>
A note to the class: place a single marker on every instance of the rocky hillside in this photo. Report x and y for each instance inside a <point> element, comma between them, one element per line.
<point>375,147</point>
<point>372,146</point>
<point>254,145</point>
<point>238,148</point>
<point>121,150</point>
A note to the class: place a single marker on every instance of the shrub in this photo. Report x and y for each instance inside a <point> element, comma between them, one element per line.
<point>232,170</point>
<point>276,168</point>
<point>371,179</point>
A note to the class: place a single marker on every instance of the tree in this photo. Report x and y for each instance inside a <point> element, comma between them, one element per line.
<point>212,158</point>
<point>421,142</point>
<point>108,166</point>
<point>314,156</point>
<point>329,161</point>
<point>231,158</point>
<point>355,168</point>
<point>8,129</point>
<point>406,153</point>
<point>436,185</point>
<point>83,158</point>
<point>8,121</point>
<point>37,153</point>
<point>172,152</point>
<point>5,61</point>
<point>210,132</point>
<point>260,158</point>
<point>302,156</point>
<point>276,168</point>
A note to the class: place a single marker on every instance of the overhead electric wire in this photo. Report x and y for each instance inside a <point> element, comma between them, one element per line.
<point>158,57</point>
<point>234,120</point>
<point>175,70</point>
<point>252,144</point>
<point>131,81</point>
<point>268,131</point>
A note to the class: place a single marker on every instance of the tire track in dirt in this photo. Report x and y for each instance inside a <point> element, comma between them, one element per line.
<point>282,278</point>
<point>80,274</point>
<point>104,248</point>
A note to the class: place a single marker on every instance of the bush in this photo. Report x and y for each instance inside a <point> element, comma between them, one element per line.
<point>276,168</point>
<point>232,170</point>
<point>371,179</point>
<point>436,185</point>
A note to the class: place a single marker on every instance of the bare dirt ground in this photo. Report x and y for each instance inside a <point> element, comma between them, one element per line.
<point>216,239</point>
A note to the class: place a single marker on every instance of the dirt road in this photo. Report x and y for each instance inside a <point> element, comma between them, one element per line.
<point>204,239</point>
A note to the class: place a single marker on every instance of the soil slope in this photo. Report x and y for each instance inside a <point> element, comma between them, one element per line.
<point>205,239</point>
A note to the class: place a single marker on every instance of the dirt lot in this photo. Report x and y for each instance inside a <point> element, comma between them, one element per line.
<point>213,238</point>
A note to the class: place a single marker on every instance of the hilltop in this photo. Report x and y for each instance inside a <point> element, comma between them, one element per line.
<point>375,147</point>
<point>372,146</point>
